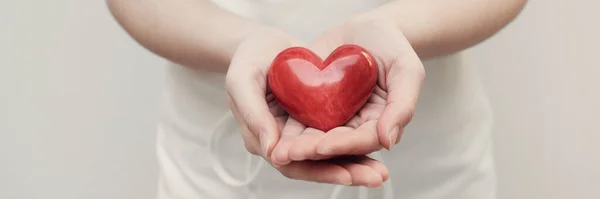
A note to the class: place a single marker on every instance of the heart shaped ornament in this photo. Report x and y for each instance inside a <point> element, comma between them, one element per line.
<point>323,94</point>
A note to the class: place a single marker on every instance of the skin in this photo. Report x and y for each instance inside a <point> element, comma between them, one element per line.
<point>399,33</point>
<point>178,33</point>
<point>377,124</point>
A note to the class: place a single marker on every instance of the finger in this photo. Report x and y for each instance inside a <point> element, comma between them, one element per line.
<point>363,140</point>
<point>317,171</point>
<point>291,129</point>
<point>362,175</point>
<point>403,83</point>
<point>276,109</point>
<point>308,147</point>
<point>304,146</point>
<point>280,123</point>
<point>369,112</point>
<point>248,96</point>
<point>250,141</point>
<point>379,96</point>
<point>375,165</point>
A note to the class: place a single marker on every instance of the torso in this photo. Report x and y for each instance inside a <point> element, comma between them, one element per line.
<point>444,153</point>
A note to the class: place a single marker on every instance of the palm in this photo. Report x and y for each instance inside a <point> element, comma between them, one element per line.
<point>371,111</point>
<point>359,136</point>
<point>295,145</point>
<point>299,142</point>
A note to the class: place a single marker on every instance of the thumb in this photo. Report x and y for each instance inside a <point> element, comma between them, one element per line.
<point>249,98</point>
<point>403,83</point>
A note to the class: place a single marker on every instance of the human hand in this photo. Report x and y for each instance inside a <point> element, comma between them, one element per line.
<point>262,119</point>
<point>381,121</point>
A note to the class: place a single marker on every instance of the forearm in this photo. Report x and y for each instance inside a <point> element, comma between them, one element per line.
<point>441,27</point>
<point>194,33</point>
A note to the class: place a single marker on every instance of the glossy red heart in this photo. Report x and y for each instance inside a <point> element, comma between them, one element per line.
<point>323,94</point>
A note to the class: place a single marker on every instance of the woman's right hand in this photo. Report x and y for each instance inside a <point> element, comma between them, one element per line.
<point>264,122</point>
<point>247,89</point>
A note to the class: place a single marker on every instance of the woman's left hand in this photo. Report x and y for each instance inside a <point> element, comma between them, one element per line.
<point>381,122</point>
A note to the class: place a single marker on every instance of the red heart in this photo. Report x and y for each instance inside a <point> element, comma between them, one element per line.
<point>323,94</point>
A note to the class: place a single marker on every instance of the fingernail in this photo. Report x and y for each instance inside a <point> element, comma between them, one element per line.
<point>393,136</point>
<point>265,143</point>
<point>323,150</point>
<point>341,181</point>
<point>277,154</point>
<point>281,163</point>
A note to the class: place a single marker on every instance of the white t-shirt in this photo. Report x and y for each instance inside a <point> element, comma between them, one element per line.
<point>445,152</point>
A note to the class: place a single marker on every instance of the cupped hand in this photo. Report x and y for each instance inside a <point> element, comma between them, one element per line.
<point>381,121</point>
<point>264,122</point>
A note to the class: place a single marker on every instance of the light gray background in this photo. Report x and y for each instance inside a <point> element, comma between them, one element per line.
<point>79,98</point>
